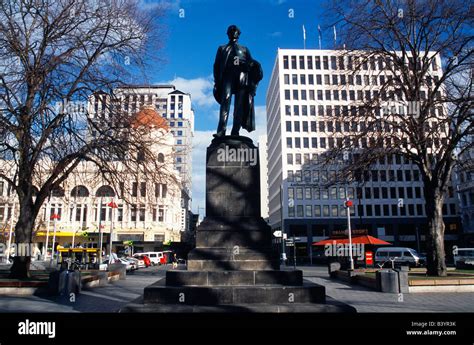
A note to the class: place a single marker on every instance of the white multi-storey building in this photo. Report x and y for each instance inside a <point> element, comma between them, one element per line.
<point>309,90</point>
<point>465,189</point>
<point>174,106</point>
<point>262,152</point>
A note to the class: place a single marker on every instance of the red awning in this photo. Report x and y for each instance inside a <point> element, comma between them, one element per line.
<point>363,239</point>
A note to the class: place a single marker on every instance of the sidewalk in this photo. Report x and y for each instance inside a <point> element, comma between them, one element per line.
<point>370,301</point>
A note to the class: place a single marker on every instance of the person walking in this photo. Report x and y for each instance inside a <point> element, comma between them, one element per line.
<point>174,260</point>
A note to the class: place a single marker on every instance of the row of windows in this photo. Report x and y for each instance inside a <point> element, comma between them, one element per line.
<point>104,213</point>
<point>368,176</point>
<point>347,141</point>
<point>398,175</point>
<point>339,126</point>
<point>366,193</point>
<point>345,110</point>
<point>345,63</point>
<point>310,211</point>
<point>313,158</point>
<point>348,95</point>
<point>343,79</point>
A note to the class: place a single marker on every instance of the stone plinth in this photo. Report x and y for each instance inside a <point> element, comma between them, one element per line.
<point>234,266</point>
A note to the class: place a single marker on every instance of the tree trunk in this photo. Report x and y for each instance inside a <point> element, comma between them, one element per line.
<point>435,257</point>
<point>23,234</point>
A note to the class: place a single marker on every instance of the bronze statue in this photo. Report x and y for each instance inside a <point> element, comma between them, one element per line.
<point>235,73</point>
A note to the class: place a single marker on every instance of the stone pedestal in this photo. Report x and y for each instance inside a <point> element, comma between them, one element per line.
<point>234,267</point>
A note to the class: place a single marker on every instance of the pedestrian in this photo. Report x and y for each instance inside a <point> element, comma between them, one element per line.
<point>174,260</point>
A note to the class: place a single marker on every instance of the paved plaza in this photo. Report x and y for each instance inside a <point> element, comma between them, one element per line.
<point>370,301</point>
<point>114,296</point>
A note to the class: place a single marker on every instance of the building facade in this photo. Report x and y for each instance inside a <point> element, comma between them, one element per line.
<point>176,108</point>
<point>87,209</point>
<point>465,189</point>
<point>308,91</point>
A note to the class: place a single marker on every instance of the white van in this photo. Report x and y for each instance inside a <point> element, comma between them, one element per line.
<point>156,258</point>
<point>400,256</point>
<point>464,257</point>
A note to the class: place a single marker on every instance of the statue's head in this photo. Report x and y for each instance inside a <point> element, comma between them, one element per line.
<point>233,32</point>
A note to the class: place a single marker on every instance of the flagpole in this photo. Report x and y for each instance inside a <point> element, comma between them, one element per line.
<point>304,38</point>
<point>319,36</point>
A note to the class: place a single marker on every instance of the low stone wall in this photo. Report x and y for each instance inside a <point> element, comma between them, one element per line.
<point>442,285</point>
<point>356,278</point>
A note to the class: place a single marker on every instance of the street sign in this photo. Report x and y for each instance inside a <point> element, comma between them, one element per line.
<point>290,244</point>
<point>277,233</point>
<point>369,258</point>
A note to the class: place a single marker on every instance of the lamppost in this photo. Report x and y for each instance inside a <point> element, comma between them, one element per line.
<point>112,205</point>
<point>55,217</point>
<point>12,215</point>
<point>48,221</point>
<point>348,205</point>
<point>101,240</point>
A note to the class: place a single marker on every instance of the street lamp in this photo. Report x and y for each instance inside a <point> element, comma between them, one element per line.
<point>348,205</point>
<point>112,205</point>
<point>12,215</point>
<point>54,217</point>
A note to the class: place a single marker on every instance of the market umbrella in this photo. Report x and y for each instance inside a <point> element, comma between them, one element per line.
<point>361,239</point>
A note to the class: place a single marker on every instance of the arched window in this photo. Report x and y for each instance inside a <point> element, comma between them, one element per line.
<point>80,191</point>
<point>105,191</point>
<point>57,192</point>
<point>161,158</point>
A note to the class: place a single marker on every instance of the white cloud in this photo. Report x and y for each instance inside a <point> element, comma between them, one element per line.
<point>164,4</point>
<point>275,34</point>
<point>202,139</point>
<point>200,89</point>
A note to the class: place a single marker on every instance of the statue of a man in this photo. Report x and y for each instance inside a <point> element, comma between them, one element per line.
<point>235,73</point>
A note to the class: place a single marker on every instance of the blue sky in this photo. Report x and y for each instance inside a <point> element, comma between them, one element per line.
<point>194,30</point>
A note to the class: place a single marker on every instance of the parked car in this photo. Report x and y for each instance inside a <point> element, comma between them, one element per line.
<point>128,264</point>
<point>133,262</point>
<point>464,257</point>
<point>399,255</point>
<point>144,261</point>
<point>156,258</point>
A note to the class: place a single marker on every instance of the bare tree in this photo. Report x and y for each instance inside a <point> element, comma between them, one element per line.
<point>416,100</point>
<point>54,55</point>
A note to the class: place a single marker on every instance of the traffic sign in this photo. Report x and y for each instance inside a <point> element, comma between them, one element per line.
<point>348,203</point>
<point>277,233</point>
